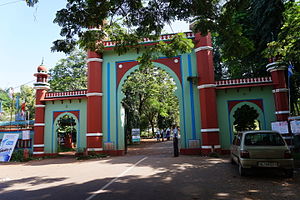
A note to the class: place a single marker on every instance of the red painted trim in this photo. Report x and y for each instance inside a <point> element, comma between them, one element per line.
<point>94,141</point>
<point>243,86</point>
<point>175,67</point>
<point>14,130</point>
<point>169,62</point>
<point>56,114</point>
<point>64,98</point>
<point>125,67</point>
<point>257,102</point>
<point>114,152</point>
<point>196,151</point>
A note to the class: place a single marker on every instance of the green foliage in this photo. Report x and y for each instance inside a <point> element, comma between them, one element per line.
<point>70,73</point>
<point>27,95</point>
<point>17,156</point>
<point>150,96</point>
<point>245,117</point>
<point>287,47</point>
<point>6,105</point>
<point>241,29</point>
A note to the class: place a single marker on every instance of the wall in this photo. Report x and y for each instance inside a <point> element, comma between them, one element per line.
<point>54,109</point>
<point>187,93</point>
<point>238,97</point>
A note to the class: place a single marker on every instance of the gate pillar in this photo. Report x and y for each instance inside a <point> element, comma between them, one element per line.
<point>94,103</point>
<point>41,86</point>
<point>207,94</point>
<point>280,91</point>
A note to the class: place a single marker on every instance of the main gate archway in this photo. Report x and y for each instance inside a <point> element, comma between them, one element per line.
<point>178,93</point>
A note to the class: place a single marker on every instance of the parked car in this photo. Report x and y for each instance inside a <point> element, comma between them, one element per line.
<point>261,149</point>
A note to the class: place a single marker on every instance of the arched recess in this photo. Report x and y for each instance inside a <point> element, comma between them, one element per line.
<point>55,127</point>
<point>120,112</point>
<point>259,110</point>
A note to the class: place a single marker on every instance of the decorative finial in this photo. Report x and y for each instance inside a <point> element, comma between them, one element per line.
<point>42,61</point>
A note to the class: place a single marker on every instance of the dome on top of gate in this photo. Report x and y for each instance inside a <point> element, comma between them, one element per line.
<point>42,69</point>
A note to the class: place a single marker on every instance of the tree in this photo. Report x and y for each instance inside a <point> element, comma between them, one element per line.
<point>70,73</point>
<point>245,117</point>
<point>242,28</point>
<point>287,47</point>
<point>149,96</point>
<point>6,105</point>
<point>27,96</point>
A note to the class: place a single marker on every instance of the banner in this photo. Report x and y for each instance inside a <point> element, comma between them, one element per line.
<point>295,127</point>
<point>26,135</point>
<point>281,127</point>
<point>136,135</point>
<point>7,146</point>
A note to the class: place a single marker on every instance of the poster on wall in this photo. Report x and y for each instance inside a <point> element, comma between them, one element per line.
<point>7,146</point>
<point>295,127</point>
<point>26,135</point>
<point>281,127</point>
<point>136,135</point>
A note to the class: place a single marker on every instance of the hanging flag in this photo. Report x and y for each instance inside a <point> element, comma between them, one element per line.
<point>17,103</point>
<point>0,106</point>
<point>23,108</point>
<point>290,70</point>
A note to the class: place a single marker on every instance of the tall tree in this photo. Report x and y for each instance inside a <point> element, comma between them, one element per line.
<point>242,27</point>
<point>6,105</point>
<point>149,95</point>
<point>70,73</point>
<point>27,96</point>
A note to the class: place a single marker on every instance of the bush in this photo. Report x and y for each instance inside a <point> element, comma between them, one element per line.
<point>17,156</point>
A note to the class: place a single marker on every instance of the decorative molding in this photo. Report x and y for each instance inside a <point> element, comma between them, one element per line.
<point>94,94</point>
<point>39,124</point>
<point>94,134</point>
<point>94,60</point>
<point>205,130</point>
<point>41,87</point>
<point>244,81</point>
<point>275,66</point>
<point>38,153</point>
<point>40,106</point>
<point>66,94</point>
<point>206,86</point>
<point>41,83</point>
<point>38,145</point>
<point>94,149</point>
<point>203,48</point>
<point>280,90</point>
<point>282,112</point>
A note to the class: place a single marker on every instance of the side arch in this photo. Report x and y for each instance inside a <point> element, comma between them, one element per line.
<point>55,127</point>
<point>259,110</point>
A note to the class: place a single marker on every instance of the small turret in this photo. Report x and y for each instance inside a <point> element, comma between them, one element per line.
<point>41,78</point>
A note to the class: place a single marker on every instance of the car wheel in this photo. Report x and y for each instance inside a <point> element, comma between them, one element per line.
<point>242,170</point>
<point>289,173</point>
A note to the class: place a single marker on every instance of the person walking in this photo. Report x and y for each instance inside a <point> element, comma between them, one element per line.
<point>175,141</point>
<point>168,132</point>
<point>158,135</point>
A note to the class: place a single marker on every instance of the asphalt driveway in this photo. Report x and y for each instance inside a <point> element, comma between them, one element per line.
<point>148,173</point>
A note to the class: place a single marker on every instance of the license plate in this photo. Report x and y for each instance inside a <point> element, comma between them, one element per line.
<point>267,164</point>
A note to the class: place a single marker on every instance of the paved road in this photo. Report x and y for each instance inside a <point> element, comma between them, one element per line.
<point>151,173</point>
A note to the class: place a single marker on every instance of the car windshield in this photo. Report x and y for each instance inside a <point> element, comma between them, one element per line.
<point>263,139</point>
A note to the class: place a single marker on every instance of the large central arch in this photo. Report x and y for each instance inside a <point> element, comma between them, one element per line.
<point>178,93</point>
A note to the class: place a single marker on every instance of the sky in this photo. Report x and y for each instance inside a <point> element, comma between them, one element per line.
<point>26,36</point>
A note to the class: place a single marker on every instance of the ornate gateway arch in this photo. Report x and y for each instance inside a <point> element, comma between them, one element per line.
<point>204,103</point>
